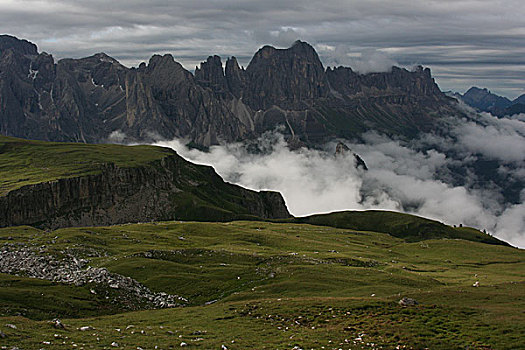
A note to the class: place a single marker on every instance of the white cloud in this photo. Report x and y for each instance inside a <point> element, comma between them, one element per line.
<point>500,139</point>
<point>414,178</point>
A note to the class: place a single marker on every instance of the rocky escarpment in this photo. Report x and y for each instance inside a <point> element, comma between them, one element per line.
<point>89,99</point>
<point>122,290</point>
<point>166,189</point>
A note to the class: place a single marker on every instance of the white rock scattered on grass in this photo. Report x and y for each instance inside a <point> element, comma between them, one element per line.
<point>129,326</point>
<point>114,344</point>
<point>407,302</point>
<point>476,284</point>
<point>85,328</point>
<point>58,324</point>
<point>183,344</point>
<point>70,270</point>
<point>223,347</point>
<point>10,325</point>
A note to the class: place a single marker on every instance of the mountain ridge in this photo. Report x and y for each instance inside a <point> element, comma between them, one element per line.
<point>484,100</point>
<point>88,99</point>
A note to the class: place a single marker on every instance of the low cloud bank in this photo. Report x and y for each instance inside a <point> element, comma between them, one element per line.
<point>439,177</point>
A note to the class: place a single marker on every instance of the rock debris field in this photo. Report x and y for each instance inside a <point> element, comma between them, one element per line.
<point>23,261</point>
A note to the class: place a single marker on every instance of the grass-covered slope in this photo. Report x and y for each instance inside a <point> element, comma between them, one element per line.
<point>409,227</point>
<point>26,162</point>
<point>67,184</point>
<point>256,285</point>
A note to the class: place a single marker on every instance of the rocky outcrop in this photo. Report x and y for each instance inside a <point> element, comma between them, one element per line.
<point>88,99</point>
<point>167,189</point>
<point>341,150</point>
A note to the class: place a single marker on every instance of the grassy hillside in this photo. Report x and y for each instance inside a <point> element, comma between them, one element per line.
<point>409,227</point>
<point>172,187</point>
<point>26,162</point>
<point>256,285</point>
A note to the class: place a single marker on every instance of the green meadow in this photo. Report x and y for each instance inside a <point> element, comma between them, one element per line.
<point>262,285</point>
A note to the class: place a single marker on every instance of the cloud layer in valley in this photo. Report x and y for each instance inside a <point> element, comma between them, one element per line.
<point>420,177</point>
<point>465,42</point>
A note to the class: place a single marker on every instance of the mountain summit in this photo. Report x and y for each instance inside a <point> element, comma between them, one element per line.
<point>91,99</point>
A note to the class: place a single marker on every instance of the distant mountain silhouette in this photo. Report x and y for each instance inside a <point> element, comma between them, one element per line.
<point>485,101</point>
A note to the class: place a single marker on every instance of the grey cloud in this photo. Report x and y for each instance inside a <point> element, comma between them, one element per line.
<point>455,34</point>
<point>284,37</point>
<point>366,61</point>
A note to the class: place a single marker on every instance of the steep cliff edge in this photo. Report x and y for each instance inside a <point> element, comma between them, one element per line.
<point>111,187</point>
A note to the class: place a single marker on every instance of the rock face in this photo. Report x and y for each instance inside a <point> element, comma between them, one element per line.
<point>167,189</point>
<point>88,99</point>
<point>290,79</point>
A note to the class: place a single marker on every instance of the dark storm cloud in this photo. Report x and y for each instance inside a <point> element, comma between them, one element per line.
<point>466,42</point>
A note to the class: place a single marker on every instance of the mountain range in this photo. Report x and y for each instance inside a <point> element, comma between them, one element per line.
<point>485,101</point>
<point>96,99</point>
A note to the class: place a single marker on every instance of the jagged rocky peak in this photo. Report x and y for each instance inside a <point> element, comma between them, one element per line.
<point>289,78</point>
<point>165,71</point>
<point>341,150</point>
<point>22,46</point>
<point>235,78</point>
<point>87,99</point>
<point>211,74</point>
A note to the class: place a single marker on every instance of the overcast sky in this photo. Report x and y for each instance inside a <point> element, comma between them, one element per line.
<point>464,42</point>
